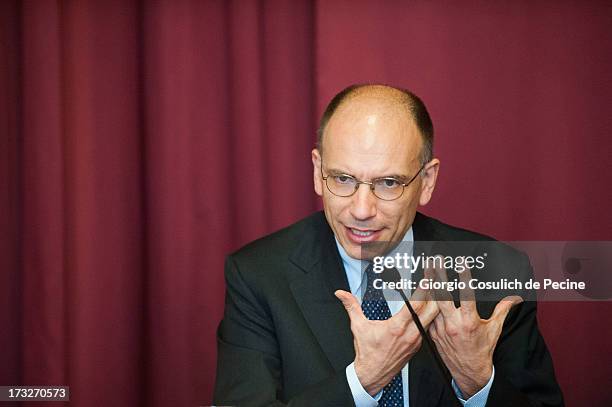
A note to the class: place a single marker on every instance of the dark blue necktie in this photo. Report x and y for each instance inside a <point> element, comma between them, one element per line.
<point>375,307</point>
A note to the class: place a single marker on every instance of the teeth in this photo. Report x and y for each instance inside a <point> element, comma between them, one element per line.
<point>362,233</point>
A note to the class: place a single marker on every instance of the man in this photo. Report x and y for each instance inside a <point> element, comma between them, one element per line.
<point>294,333</point>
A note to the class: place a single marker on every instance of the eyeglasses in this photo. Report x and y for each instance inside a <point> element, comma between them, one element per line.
<point>385,188</point>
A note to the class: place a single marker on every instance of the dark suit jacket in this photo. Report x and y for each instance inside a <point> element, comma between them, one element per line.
<point>285,339</point>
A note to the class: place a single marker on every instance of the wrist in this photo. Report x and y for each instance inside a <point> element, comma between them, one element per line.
<point>367,379</point>
<point>471,384</point>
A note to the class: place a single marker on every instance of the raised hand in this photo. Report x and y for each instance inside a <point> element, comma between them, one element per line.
<point>464,340</point>
<point>382,348</point>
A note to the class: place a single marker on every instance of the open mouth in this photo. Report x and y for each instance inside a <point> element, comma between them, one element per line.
<point>362,235</point>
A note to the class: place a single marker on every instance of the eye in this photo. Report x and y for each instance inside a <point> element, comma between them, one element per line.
<point>388,183</point>
<point>343,179</point>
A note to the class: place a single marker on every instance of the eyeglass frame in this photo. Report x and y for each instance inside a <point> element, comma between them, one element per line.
<point>371,183</point>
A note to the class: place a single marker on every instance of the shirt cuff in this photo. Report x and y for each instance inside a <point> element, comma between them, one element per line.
<point>477,400</point>
<point>361,397</point>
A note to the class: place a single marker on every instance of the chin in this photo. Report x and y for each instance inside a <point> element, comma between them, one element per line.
<point>353,251</point>
<point>366,251</point>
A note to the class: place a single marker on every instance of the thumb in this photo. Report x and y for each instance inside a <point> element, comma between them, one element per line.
<point>351,305</point>
<point>503,307</point>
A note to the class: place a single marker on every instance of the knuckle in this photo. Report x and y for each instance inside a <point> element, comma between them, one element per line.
<point>413,336</point>
<point>471,326</point>
<point>452,330</point>
<point>415,344</point>
<point>396,331</point>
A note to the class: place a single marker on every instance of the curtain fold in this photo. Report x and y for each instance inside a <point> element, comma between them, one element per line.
<point>141,140</point>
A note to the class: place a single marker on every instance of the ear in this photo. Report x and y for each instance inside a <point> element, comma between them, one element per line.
<point>428,183</point>
<point>316,173</point>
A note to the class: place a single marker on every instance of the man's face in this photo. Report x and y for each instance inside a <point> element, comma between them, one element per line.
<point>371,139</point>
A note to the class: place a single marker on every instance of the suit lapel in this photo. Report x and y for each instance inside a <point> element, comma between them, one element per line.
<point>313,290</point>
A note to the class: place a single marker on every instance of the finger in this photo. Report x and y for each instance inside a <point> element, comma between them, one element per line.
<point>503,307</point>
<point>436,332</point>
<point>439,323</point>
<point>429,313</point>
<point>418,304</point>
<point>439,270</point>
<point>433,332</point>
<point>420,294</point>
<point>351,305</point>
<point>419,307</point>
<point>429,275</point>
<point>405,315</point>
<point>443,298</point>
<point>467,298</point>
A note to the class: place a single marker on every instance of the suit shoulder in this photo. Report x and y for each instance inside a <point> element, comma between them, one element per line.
<point>282,242</point>
<point>444,231</point>
<point>265,264</point>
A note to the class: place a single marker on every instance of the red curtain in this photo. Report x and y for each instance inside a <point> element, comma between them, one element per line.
<point>141,141</point>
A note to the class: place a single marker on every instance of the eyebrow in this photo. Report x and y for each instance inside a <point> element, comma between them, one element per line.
<point>401,178</point>
<point>398,177</point>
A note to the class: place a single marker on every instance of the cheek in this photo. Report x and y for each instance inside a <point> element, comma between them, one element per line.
<point>333,207</point>
<point>395,210</point>
<point>398,215</point>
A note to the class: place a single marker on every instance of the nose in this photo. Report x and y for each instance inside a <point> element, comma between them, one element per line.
<point>363,203</point>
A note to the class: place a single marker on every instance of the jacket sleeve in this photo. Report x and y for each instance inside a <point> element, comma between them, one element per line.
<point>249,365</point>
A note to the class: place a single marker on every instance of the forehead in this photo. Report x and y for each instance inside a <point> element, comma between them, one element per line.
<point>372,137</point>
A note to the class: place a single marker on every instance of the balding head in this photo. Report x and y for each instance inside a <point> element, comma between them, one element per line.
<point>373,136</point>
<point>393,101</point>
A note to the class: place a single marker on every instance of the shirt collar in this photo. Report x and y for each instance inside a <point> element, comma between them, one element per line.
<point>353,267</point>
